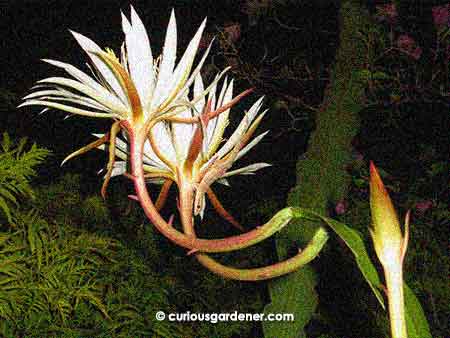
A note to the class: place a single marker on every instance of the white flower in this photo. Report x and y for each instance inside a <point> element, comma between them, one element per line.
<point>194,152</point>
<point>135,88</point>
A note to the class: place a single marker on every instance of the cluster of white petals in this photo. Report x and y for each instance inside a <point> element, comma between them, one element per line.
<point>121,88</point>
<point>173,139</point>
<point>140,89</point>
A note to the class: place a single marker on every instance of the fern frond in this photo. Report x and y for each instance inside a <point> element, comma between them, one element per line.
<point>17,167</point>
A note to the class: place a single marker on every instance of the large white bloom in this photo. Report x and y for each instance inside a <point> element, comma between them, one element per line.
<point>166,156</point>
<point>135,88</point>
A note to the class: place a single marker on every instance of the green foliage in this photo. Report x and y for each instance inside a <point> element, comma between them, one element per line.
<point>301,294</point>
<point>355,243</point>
<point>61,201</point>
<point>52,273</point>
<point>416,322</point>
<point>17,167</point>
<point>321,176</point>
<point>60,278</point>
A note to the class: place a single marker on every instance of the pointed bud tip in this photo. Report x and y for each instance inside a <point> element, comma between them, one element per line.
<point>373,169</point>
<point>375,180</point>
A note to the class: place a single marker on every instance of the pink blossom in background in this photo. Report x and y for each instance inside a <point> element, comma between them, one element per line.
<point>387,12</point>
<point>441,17</point>
<point>423,206</point>
<point>416,53</point>
<point>405,42</point>
<point>341,207</point>
<point>233,31</point>
<point>407,45</point>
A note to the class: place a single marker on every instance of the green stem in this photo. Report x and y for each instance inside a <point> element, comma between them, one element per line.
<point>256,274</point>
<point>137,138</point>
<point>394,284</point>
<point>271,271</point>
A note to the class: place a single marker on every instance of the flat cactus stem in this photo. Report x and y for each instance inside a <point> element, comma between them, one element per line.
<point>278,221</point>
<point>321,176</point>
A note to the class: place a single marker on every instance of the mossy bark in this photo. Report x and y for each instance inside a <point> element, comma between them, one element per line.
<point>322,179</point>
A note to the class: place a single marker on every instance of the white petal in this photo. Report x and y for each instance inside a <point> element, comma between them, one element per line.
<point>81,101</point>
<point>241,129</point>
<point>167,64</point>
<point>87,80</point>
<point>248,170</point>
<point>124,58</point>
<point>198,90</point>
<point>44,110</point>
<point>66,108</point>
<point>213,122</point>
<point>126,25</point>
<point>151,159</point>
<point>203,204</point>
<point>139,55</point>
<point>181,73</point>
<point>226,96</point>
<point>158,181</point>
<point>120,168</point>
<point>60,94</point>
<point>184,87</point>
<point>250,145</point>
<point>211,86</point>
<point>183,133</point>
<point>90,46</point>
<point>223,181</point>
<point>98,96</point>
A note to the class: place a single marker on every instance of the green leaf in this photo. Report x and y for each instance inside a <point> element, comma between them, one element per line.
<point>8,195</point>
<point>301,302</point>
<point>6,142</point>
<point>355,243</point>
<point>5,208</point>
<point>416,322</point>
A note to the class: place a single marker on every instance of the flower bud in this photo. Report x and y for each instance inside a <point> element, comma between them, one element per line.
<point>386,233</point>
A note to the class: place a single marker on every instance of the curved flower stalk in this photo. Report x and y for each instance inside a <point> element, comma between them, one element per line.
<point>197,245</point>
<point>191,156</point>
<point>135,88</point>
<point>171,134</point>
